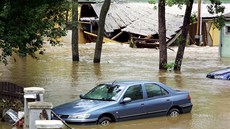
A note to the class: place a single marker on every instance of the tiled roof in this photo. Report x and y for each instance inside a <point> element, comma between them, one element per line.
<point>137,18</point>
<point>142,18</point>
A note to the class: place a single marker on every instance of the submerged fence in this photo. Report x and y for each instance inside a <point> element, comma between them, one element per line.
<point>11,91</point>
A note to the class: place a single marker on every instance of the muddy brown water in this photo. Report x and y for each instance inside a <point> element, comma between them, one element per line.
<point>65,80</point>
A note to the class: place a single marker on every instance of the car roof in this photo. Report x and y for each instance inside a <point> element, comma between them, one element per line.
<point>136,82</point>
<point>133,82</point>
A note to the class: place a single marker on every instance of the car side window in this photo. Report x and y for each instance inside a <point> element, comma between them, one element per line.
<point>154,90</point>
<point>134,92</point>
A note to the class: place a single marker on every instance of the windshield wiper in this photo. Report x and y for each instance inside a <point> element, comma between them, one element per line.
<point>103,99</point>
<point>107,99</point>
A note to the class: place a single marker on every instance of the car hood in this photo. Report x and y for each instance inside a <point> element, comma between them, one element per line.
<point>82,105</point>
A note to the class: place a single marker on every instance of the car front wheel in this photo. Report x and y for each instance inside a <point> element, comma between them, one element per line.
<point>174,112</point>
<point>104,121</point>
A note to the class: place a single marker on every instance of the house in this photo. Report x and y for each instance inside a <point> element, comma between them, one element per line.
<point>127,21</point>
<point>225,38</point>
<point>124,21</point>
<point>210,33</point>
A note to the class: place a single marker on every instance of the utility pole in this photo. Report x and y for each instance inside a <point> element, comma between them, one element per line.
<point>198,36</point>
<point>201,23</point>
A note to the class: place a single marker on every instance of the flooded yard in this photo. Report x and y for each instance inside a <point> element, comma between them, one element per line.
<point>65,80</point>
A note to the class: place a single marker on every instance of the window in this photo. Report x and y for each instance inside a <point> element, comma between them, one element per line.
<point>154,90</point>
<point>227,29</point>
<point>105,92</point>
<point>134,92</point>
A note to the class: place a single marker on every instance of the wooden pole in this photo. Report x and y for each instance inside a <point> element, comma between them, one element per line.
<point>201,23</point>
<point>117,35</point>
<point>198,24</point>
<point>67,125</point>
<point>198,18</point>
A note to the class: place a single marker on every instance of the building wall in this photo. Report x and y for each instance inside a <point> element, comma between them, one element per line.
<point>68,37</point>
<point>225,41</point>
<point>215,34</point>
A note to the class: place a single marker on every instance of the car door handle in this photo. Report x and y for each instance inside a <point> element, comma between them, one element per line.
<point>167,99</point>
<point>142,104</point>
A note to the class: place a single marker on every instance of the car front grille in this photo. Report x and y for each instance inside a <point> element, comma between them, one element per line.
<point>63,116</point>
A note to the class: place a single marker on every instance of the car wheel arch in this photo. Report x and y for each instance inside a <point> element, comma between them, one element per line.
<point>175,107</point>
<point>111,116</point>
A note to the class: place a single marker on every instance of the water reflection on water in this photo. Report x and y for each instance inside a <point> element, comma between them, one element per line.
<point>65,80</point>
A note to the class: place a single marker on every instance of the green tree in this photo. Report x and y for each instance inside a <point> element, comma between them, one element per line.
<point>183,37</point>
<point>24,24</point>
<point>162,34</point>
<point>75,52</point>
<point>214,8</point>
<point>162,30</point>
<point>101,27</point>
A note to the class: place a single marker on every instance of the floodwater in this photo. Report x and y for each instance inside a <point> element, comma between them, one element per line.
<point>65,80</point>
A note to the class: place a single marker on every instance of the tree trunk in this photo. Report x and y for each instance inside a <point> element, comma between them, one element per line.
<point>182,42</point>
<point>75,54</point>
<point>162,35</point>
<point>101,27</point>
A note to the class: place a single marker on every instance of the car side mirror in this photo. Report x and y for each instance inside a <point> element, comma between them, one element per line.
<point>126,100</point>
<point>81,96</point>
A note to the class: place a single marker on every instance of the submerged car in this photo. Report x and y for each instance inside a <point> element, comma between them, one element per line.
<point>125,100</point>
<point>223,74</point>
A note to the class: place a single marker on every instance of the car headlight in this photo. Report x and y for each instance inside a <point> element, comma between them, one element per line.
<point>79,116</point>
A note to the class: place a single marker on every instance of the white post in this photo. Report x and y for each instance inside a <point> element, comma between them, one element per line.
<point>39,111</point>
<point>31,94</point>
<point>49,124</point>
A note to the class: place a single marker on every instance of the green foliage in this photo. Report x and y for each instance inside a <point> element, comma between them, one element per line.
<point>24,24</point>
<point>219,21</point>
<point>193,18</point>
<point>152,1</point>
<point>169,66</point>
<point>216,8</point>
<point>176,2</point>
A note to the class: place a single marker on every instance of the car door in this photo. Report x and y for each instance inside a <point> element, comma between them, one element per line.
<point>135,108</point>
<point>158,99</point>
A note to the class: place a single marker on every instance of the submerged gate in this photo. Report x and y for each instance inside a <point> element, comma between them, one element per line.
<point>11,91</point>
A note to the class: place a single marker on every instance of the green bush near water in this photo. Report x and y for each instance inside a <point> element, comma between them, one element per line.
<point>169,66</point>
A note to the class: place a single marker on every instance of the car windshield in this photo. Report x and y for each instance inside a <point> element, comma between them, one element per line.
<point>105,92</point>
